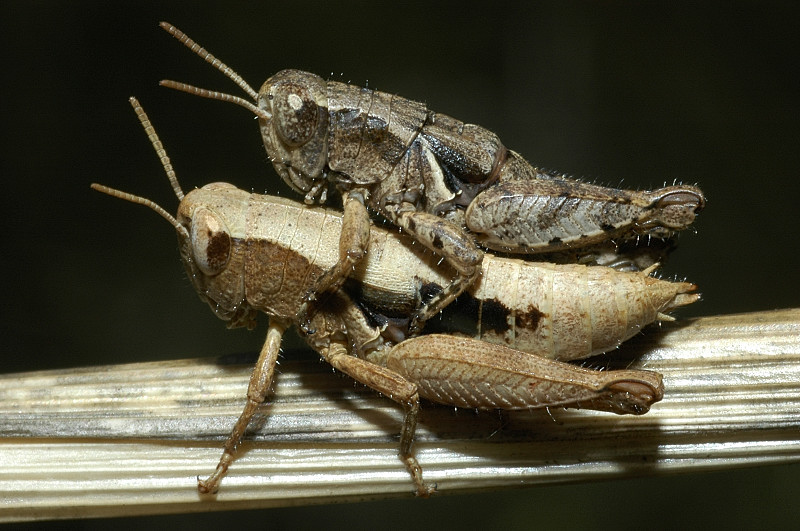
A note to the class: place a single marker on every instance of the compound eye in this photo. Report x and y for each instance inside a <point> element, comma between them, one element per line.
<point>295,113</point>
<point>211,242</point>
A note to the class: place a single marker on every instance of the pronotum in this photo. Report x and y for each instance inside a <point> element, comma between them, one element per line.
<point>442,181</point>
<point>247,253</point>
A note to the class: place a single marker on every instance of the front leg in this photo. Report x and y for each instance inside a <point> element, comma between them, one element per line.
<point>260,382</point>
<point>394,386</point>
<point>446,240</point>
<point>353,245</point>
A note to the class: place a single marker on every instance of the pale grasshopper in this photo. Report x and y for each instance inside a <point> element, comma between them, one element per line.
<point>444,182</point>
<point>248,253</point>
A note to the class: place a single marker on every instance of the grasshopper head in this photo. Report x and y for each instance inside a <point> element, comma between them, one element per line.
<point>212,251</point>
<point>207,221</point>
<point>292,109</point>
<point>294,127</point>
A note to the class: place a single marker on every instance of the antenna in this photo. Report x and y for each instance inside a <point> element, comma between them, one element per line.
<point>219,65</point>
<point>165,162</point>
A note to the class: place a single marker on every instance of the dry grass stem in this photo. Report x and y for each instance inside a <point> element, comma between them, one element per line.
<point>131,439</point>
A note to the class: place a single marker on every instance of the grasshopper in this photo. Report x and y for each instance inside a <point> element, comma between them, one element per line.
<point>444,182</point>
<point>248,253</point>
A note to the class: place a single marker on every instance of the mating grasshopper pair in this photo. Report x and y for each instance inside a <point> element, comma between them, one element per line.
<point>247,253</point>
<point>358,293</point>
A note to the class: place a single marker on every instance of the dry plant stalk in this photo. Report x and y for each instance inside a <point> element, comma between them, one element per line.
<point>130,439</point>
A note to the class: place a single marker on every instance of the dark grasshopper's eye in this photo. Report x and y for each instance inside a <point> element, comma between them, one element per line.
<point>211,242</point>
<point>295,113</point>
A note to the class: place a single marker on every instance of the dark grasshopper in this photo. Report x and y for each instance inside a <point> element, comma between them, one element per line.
<point>247,253</point>
<point>442,181</point>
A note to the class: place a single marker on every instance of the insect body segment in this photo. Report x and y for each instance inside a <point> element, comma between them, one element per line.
<point>566,311</point>
<point>446,183</point>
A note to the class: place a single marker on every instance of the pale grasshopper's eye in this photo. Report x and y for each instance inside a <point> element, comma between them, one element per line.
<point>295,113</point>
<point>211,242</point>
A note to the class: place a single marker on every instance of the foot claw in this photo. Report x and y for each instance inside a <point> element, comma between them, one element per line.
<point>205,486</point>
<point>425,491</point>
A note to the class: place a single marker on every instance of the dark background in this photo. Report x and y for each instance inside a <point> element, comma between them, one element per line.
<point>610,91</point>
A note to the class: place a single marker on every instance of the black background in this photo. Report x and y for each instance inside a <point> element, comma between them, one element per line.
<point>610,91</point>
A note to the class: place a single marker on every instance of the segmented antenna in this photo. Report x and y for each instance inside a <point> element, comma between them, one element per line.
<point>158,146</point>
<point>165,162</point>
<point>210,59</point>
<point>219,65</point>
<point>113,192</point>
<point>214,95</point>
